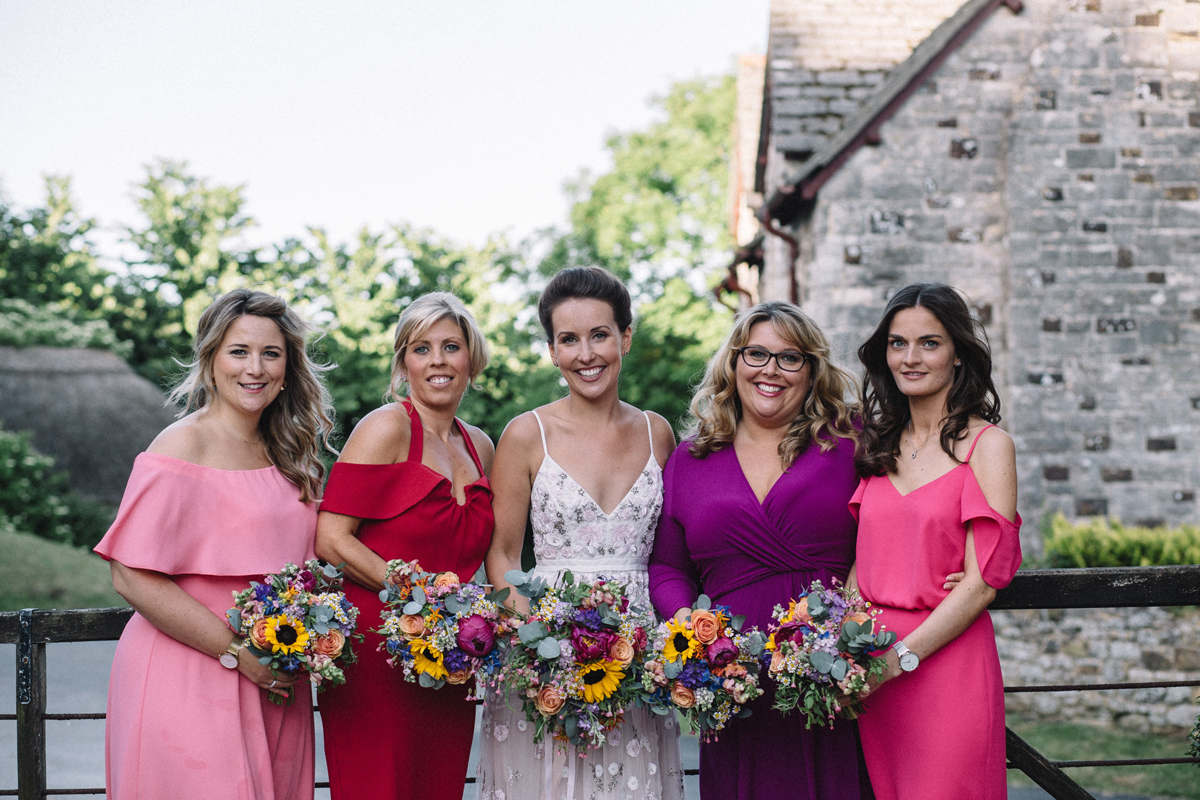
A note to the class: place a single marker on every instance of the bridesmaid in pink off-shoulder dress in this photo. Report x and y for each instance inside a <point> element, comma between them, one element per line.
<point>938,497</point>
<point>217,501</point>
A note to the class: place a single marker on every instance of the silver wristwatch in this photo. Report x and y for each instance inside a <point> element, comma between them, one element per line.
<point>908,659</point>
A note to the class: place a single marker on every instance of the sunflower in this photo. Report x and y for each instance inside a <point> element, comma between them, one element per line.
<point>681,644</point>
<point>428,659</point>
<point>600,679</point>
<point>286,635</point>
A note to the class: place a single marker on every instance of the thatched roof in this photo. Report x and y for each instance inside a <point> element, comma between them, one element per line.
<point>86,408</point>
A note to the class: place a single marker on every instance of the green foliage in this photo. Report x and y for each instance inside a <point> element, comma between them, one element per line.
<point>46,257</point>
<point>42,574</point>
<point>1107,543</point>
<point>36,499</point>
<point>1075,742</point>
<point>1194,740</point>
<point>23,324</point>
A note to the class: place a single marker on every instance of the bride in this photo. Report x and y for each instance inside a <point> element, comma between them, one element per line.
<point>587,471</point>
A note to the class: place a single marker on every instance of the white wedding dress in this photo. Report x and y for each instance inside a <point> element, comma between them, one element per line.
<point>640,761</point>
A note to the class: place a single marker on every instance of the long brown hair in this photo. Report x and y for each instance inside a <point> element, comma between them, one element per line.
<point>885,407</point>
<point>294,426</point>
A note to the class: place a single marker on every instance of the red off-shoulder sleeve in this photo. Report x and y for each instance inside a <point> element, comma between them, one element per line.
<point>997,539</point>
<point>377,491</point>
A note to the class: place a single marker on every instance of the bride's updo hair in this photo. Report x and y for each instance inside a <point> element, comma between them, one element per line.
<point>585,283</point>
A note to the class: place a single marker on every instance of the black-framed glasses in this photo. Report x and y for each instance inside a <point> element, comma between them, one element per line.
<point>788,360</point>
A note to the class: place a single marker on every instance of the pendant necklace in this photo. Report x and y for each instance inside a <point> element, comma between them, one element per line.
<point>912,440</point>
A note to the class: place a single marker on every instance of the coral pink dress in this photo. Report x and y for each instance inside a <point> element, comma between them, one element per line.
<point>386,739</point>
<point>180,725</point>
<point>938,732</point>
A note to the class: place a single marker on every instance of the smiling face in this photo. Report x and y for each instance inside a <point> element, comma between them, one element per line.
<point>250,365</point>
<point>770,396</point>
<point>438,365</point>
<point>588,346</point>
<point>920,354</point>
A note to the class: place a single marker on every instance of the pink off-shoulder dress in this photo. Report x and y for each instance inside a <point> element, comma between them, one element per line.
<point>936,733</point>
<point>180,725</point>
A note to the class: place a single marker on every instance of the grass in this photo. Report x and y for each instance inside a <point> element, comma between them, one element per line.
<point>42,574</point>
<point>1075,742</point>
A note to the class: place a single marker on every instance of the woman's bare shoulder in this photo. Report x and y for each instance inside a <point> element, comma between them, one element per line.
<point>381,437</point>
<point>183,439</point>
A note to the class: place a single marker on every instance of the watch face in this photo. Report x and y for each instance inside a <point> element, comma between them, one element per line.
<point>229,661</point>
<point>908,662</point>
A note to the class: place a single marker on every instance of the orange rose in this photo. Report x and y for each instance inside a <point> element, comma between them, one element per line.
<point>801,614</point>
<point>777,662</point>
<point>861,617</point>
<point>705,626</point>
<point>330,644</point>
<point>458,677</point>
<point>445,580</point>
<point>258,635</point>
<point>548,700</point>
<point>682,696</point>
<point>621,651</point>
<point>412,625</point>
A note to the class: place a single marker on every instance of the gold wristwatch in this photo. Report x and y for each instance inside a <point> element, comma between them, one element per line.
<point>229,659</point>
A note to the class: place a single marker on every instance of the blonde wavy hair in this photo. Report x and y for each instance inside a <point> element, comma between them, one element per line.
<point>825,415</point>
<point>419,317</point>
<point>300,420</point>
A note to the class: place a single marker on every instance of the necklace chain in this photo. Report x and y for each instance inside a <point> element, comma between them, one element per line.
<point>913,441</point>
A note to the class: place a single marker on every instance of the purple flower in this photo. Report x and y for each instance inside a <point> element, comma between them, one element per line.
<point>456,660</point>
<point>721,652</point>
<point>476,636</point>
<point>589,645</point>
<point>588,618</point>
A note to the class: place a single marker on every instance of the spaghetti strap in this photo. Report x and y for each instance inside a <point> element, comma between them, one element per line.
<point>650,431</point>
<point>545,450</point>
<point>416,439</point>
<point>462,428</point>
<point>972,450</point>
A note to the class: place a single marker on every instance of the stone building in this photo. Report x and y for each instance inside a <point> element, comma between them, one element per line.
<point>1044,157</point>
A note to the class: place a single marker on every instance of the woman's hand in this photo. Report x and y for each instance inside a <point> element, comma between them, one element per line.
<point>954,579</point>
<point>264,676</point>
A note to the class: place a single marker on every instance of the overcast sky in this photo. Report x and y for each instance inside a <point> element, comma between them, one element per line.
<point>466,117</point>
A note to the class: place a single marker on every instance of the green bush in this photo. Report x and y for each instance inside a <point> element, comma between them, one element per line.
<point>38,499</point>
<point>1107,543</point>
<point>23,324</point>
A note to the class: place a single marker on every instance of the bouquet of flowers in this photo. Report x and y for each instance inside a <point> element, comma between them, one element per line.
<point>438,629</point>
<point>576,661</point>
<point>822,647</point>
<point>298,620</point>
<point>706,668</point>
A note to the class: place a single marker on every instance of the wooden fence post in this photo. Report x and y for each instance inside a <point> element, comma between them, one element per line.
<point>31,711</point>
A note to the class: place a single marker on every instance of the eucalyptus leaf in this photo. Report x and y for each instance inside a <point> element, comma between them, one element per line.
<point>531,632</point>
<point>571,727</point>
<point>418,594</point>
<point>426,680</point>
<point>331,572</point>
<point>737,622</point>
<point>672,669</point>
<point>235,619</point>
<point>549,649</point>
<point>499,596</point>
<point>321,627</point>
<point>265,661</point>
<point>816,608</point>
<point>850,629</point>
<point>413,607</point>
<point>385,595</point>
<point>454,605</point>
<point>568,578</point>
<point>839,670</point>
<point>704,602</point>
<point>744,711</point>
<point>661,711</point>
<point>821,661</point>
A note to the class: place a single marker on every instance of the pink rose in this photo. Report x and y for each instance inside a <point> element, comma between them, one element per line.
<point>476,636</point>
<point>258,635</point>
<point>621,651</point>
<point>721,652</point>
<point>705,626</point>
<point>682,696</point>
<point>445,580</point>
<point>412,625</point>
<point>549,700</point>
<point>330,644</point>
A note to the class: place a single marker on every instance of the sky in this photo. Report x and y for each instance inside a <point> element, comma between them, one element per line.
<point>464,116</point>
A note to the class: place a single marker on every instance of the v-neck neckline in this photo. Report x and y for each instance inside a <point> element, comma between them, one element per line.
<point>629,492</point>
<point>923,485</point>
<point>746,481</point>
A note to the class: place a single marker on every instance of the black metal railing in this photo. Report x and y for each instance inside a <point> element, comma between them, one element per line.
<point>31,630</point>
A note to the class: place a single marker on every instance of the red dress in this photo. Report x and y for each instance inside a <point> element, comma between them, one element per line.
<point>385,738</point>
<point>936,733</point>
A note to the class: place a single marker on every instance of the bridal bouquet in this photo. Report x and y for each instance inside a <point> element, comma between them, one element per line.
<point>437,628</point>
<point>575,662</point>
<point>706,668</point>
<point>298,620</point>
<point>821,648</point>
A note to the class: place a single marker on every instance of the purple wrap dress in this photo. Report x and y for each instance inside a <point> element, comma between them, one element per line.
<point>715,538</point>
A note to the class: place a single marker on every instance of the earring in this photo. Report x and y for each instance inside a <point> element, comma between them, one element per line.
<point>284,387</point>
<point>958,363</point>
<point>404,378</point>
<point>555,363</point>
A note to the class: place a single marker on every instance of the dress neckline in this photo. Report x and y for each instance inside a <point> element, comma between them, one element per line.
<point>955,468</point>
<point>629,493</point>
<point>205,466</point>
<point>416,449</point>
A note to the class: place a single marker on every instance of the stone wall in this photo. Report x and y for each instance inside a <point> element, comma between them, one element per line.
<point>1103,646</point>
<point>1050,168</point>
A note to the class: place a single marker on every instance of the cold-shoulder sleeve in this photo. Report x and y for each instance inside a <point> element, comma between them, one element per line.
<point>181,518</point>
<point>857,499</point>
<point>674,582</point>
<point>377,491</point>
<point>997,539</point>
